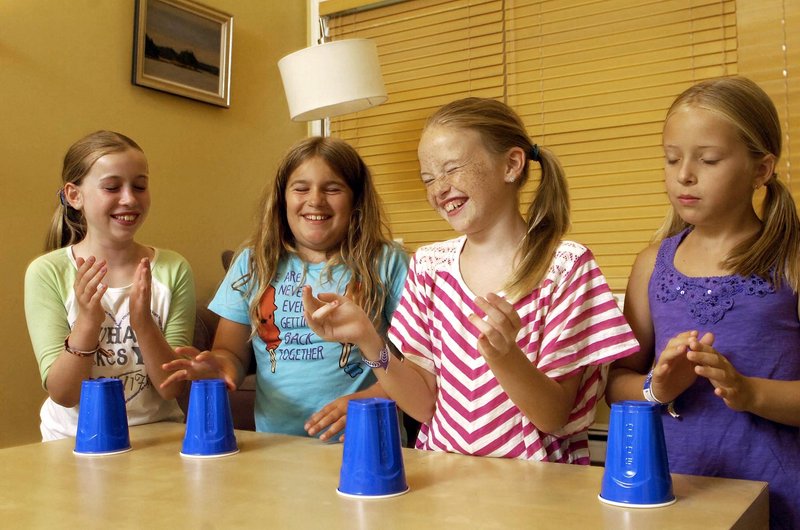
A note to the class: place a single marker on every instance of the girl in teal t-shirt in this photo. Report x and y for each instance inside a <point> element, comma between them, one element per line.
<point>320,224</point>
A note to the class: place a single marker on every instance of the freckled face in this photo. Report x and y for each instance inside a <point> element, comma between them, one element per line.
<point>709,173</point>
<point>464,180</point>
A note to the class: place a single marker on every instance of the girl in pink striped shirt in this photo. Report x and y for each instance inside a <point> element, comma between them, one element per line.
<point>504,334</point>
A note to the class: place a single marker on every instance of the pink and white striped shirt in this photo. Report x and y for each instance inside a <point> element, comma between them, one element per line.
<point>570,325</point>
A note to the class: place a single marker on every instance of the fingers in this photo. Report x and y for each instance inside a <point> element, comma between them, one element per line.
<point>335,428</point>
<point>177,364</point>
<point>499,310</point>
<point>180,375</point>
<point>499,326</point>
<point>332,416</point>
<point>88,279</point>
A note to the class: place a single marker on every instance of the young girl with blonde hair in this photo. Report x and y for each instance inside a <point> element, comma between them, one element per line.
<point>505,330</point>
<point>100,304</point>
<point>320,224</point>
<point>714,302</point>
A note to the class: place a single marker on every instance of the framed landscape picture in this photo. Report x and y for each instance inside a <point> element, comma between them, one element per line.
<point>183,48</point>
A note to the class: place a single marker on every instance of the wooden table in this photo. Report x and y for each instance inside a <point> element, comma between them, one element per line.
<point>281,482</point>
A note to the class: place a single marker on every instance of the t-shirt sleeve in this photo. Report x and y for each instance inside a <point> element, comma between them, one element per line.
<point>46,313</point>
<point>584,324</point>
<point>231,302</point>
<point>410,330</point>
<point>179,328</point>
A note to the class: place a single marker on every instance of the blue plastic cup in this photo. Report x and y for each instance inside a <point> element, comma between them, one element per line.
<point>102,419</point>
<point>209,423</point>
<point>637,470</point>
<point>372,459</point>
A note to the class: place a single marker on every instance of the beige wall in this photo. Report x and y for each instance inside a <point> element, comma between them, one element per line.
<point>64,72</point>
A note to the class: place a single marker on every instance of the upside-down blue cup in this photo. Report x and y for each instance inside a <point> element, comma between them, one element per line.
<point>102,419</point>
<point>637,470</point>
<point>372,459</point>
<point>209,422</point>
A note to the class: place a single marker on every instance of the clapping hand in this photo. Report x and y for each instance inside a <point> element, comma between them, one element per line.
<point>140,296</point>
<point>89,290</point>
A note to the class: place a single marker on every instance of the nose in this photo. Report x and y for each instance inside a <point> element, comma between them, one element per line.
<point>316,197</point>
<point>439,187</point>
<point>127,196</point>
<point>685,173</point>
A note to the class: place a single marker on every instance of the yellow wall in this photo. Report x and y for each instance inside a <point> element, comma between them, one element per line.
<point>64,72</point>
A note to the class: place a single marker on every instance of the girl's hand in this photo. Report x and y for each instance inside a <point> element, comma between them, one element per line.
<point>734,388</point>
<point>674,373</point>
<point>334,317</point>
<point>333,416</point>
<point>140,297</point>
<point>194,364</point>
<point>89,290</point>
<point>498,329</point>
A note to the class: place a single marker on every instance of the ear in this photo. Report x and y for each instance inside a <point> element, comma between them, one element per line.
<point>515,162</point>
<point>764,169</point>
<point>74,196</point>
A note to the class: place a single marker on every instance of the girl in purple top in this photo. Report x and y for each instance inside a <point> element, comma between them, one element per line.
<point>714,304</point>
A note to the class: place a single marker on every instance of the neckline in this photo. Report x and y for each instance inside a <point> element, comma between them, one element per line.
<point>680,237</point>
<point>462,241</point>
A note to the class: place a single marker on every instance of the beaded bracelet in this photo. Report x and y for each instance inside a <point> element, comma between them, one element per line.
<point>88,353</point>
<point>383,359</point>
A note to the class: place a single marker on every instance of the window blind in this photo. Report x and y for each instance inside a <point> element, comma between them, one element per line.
<point>591,79</point>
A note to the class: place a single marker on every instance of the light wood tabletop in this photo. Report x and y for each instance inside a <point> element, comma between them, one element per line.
<point>278,481</point>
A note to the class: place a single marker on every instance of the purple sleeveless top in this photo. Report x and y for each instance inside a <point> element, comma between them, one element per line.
<point>756,327</point>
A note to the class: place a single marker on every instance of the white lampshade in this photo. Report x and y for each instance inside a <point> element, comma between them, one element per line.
<point>332,78</point>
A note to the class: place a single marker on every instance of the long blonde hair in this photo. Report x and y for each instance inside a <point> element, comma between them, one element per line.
<point>773,252</point>
<point>68,225</point>
<point>547,217</point>
<point>360,251</point>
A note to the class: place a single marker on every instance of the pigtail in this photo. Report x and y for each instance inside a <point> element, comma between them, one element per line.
<point>548,221</point>
<point>773,253</point>
<point>67,226</point>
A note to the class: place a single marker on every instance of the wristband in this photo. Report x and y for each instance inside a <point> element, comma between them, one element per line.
<point>648,391</point>
<point>87,353</point>
<point>383,359</point>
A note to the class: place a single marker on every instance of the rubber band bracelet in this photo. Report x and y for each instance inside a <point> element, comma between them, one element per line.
<point>85,353</point>
<point>383,359</point>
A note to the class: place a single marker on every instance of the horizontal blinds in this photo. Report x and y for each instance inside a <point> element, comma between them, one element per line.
<point>591,79</point>
<point>769,45</point>
<point>431,52</point>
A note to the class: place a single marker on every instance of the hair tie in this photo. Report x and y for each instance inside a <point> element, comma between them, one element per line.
<point>63,198</point>
<point>533,154</point>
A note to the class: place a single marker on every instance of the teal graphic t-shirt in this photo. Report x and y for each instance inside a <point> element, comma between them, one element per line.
<point>297,372</point>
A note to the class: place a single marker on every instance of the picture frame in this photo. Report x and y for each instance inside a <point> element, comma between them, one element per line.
<point>184,48</point>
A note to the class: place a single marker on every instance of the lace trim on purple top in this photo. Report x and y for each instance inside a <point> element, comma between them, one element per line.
<point>707,298</point>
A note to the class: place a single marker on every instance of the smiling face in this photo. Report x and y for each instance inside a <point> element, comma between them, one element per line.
<point>318,208</point>
<point>710,175</point>
<point>465,182</point>
<point>113,197</point>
